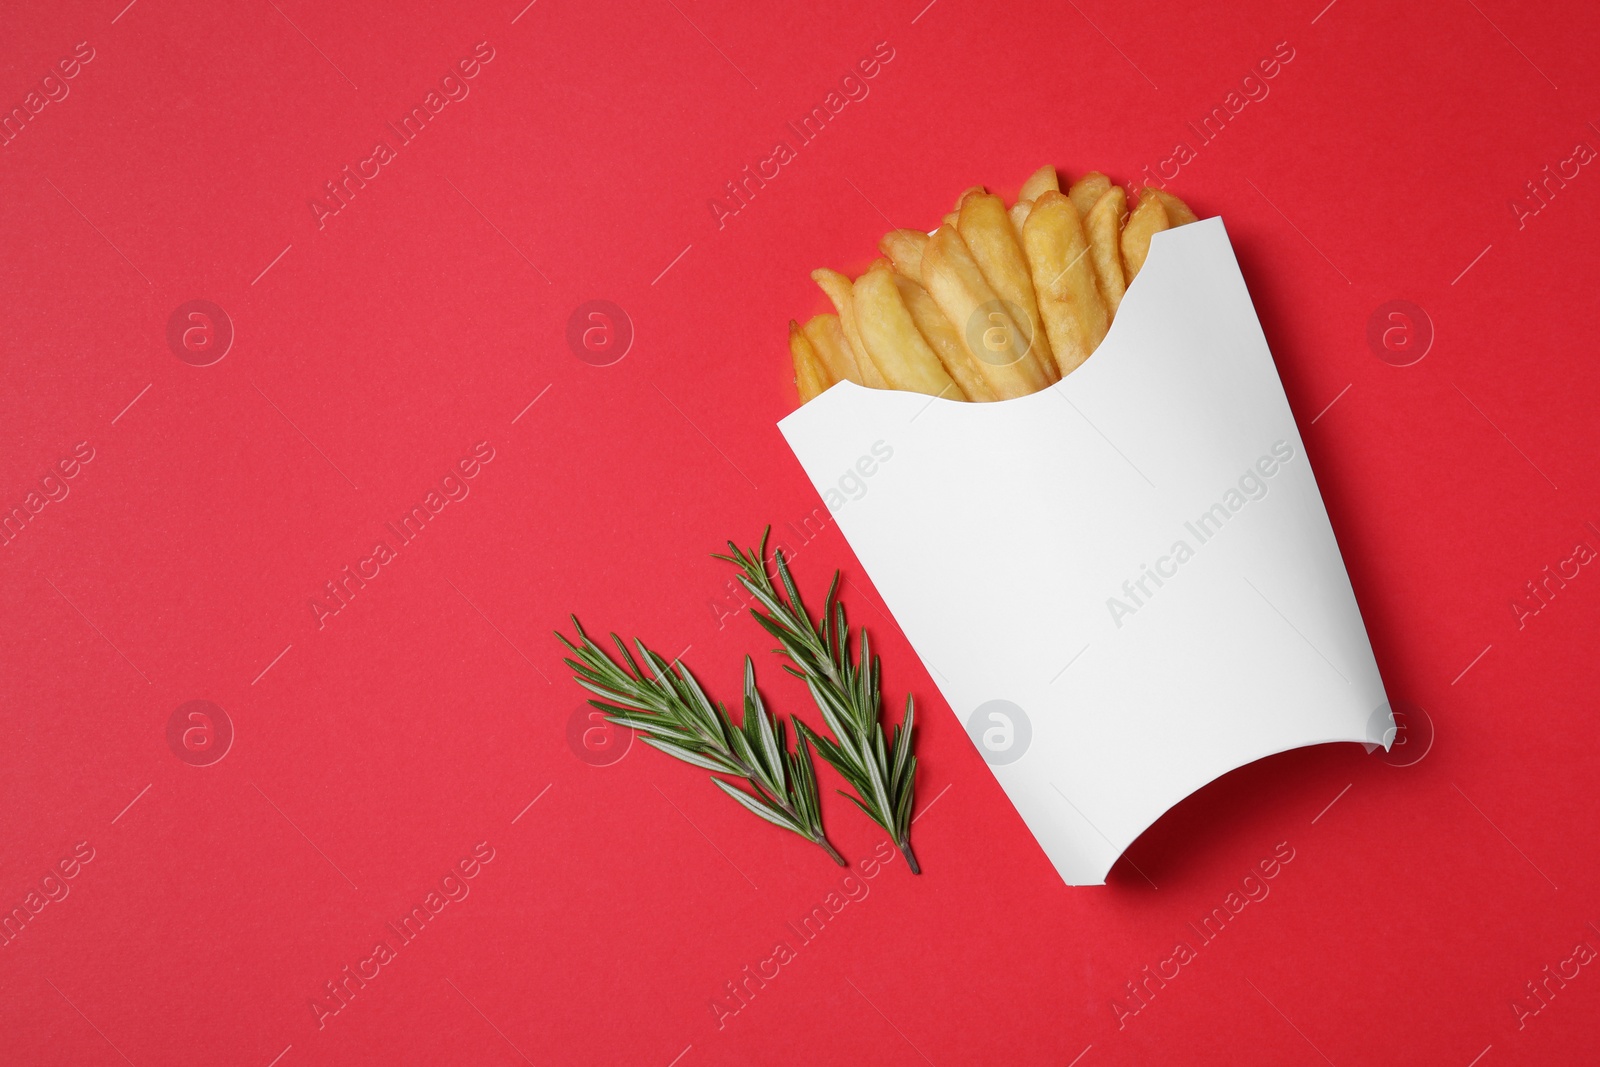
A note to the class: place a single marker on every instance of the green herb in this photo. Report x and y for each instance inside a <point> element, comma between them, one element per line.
<point>671,712</point>
<point>846,692</point>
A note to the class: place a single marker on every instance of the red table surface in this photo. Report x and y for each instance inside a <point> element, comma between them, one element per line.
<point>377,749</point>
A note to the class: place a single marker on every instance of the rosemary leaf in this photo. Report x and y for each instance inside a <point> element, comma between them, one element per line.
<point>846,690</point>
<point>672,713</point>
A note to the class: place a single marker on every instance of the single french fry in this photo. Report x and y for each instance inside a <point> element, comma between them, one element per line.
<point>988,233</point>
<point>986,330</point>
<point>954,217</point>
<point>1148,219</point>
<point>828,341</point>
<point>944,340</point>
<point>841,292</point>
<point>1103,226</point>
<point>1178,213</point>
<point>1086,190</point>
<point>904,249</point>
<point>809,377</point>
<point>1075,316</point>
<point>1042,180</point>
<point>1019,215</point>
<point>902,356</point>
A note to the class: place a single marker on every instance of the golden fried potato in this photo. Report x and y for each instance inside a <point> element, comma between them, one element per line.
<point>828,342</point>
<point>1075,316</point>
<point>1042,180</point>
<point>809,377</point>
<point>1103,227</point>
<point>904,249</point>
<point>986,228</point>
<point>1019,215</point>
<point>892,339</point>
<point>1178,213</point>
<point>997,303</point>
<point>841,292</point>
<point>1086,190</point>
<point>1148,219</point>
<point>944,340</point>
<point>986,330</point>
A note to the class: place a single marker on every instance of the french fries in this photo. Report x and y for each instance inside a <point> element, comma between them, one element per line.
<point>1019,215</point>
<point>986,228</point>
<point>1088,189</point>
<point>1075,317</point>
<point>998,302</point>
<point>1148,219</point>
<point>945,341</point>
<point>1178,213</point>
<point>828,342</point>
<point>981,321</point>
<point>1042,180</point>
<point>892,339</point>
<point>842,293</point>
<point>1103,227</point>
<point>809,377</point>
<point>904,249</point>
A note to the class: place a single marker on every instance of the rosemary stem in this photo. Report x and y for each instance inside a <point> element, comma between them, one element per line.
<point>911,857</point>
<point>788,809</point>
<point>827,846</point>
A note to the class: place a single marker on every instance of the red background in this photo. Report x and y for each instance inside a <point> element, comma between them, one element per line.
<point>372,754</point>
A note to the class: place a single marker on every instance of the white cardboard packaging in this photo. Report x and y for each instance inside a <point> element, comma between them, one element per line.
<point>1125,585</point>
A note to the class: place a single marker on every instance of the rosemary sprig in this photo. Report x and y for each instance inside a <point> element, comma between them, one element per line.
<point>671,712</point>
<point>847,693</point>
